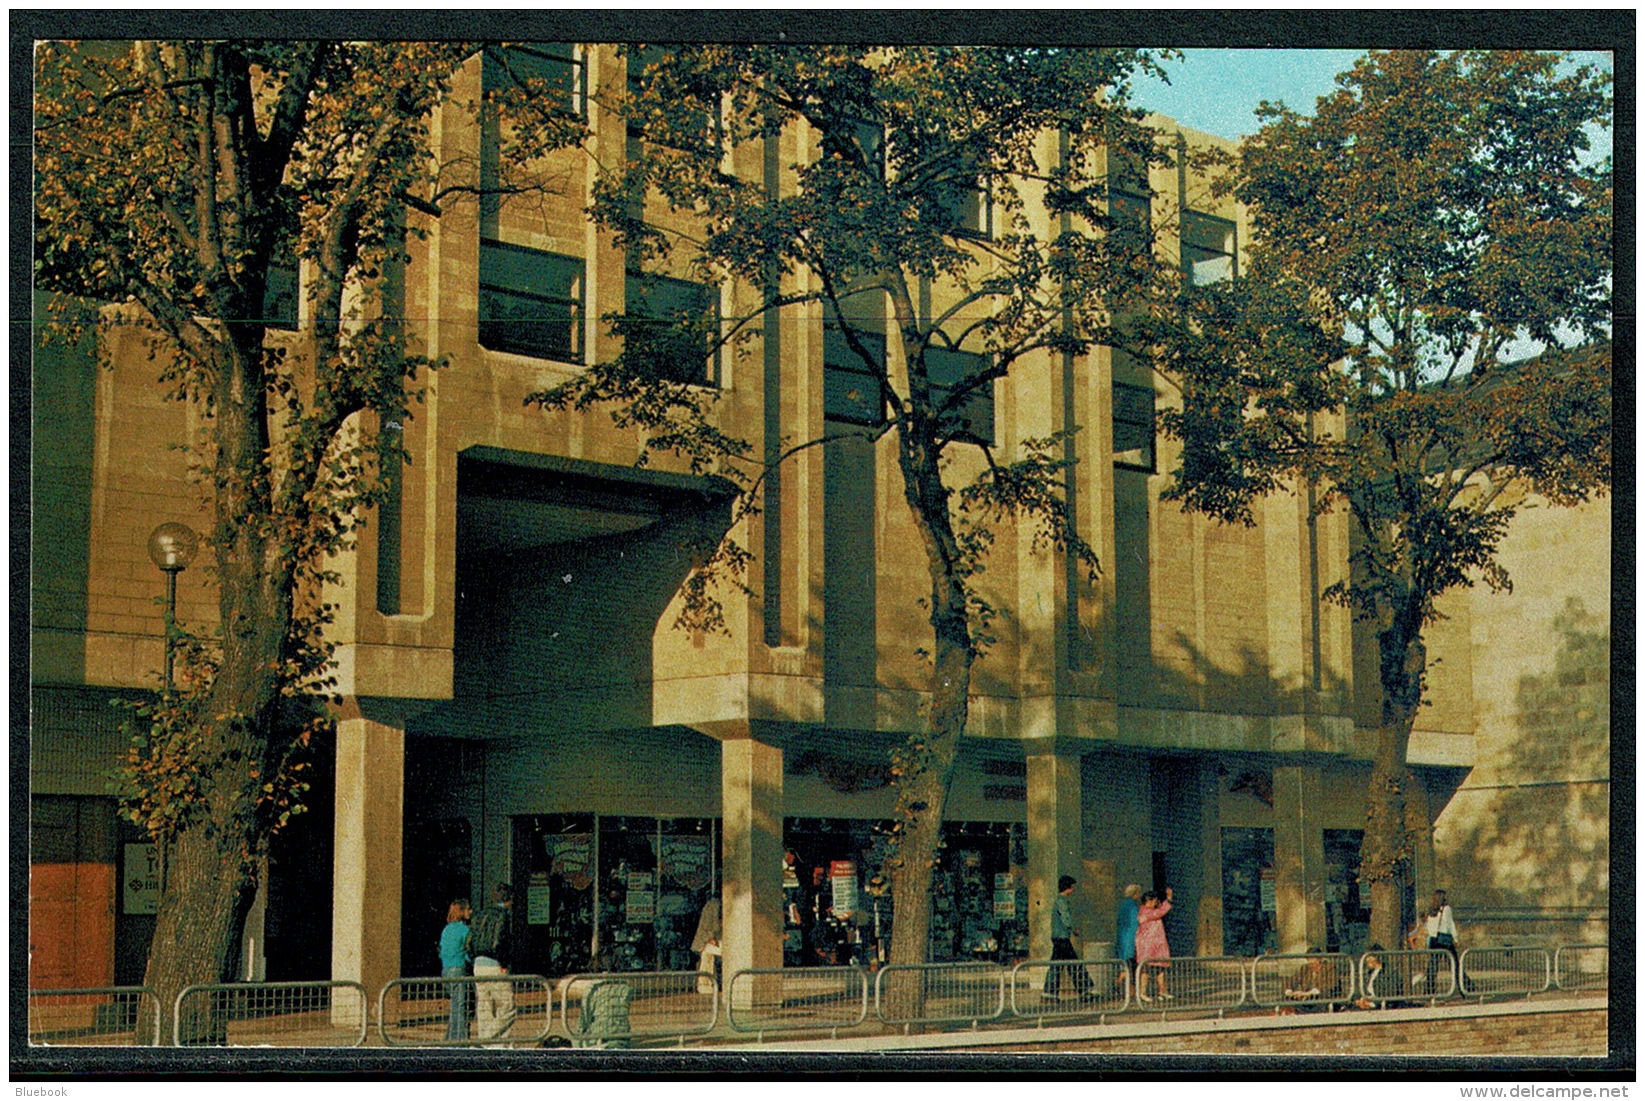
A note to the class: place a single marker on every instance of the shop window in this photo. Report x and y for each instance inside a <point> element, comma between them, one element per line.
<point>851,389</point>
<point>556,896</point>
<point>673,325</point>
<point>973,418</point>
<point>1347,915</point>
<point>1208,252</point>
<point>1134,426</point>
<point>1248,898</point>
<point>531,302</point>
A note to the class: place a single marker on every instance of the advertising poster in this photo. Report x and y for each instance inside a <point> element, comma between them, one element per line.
<point>640,906</point>
<point>688,861</point>
<point>1005,895</point>
<point>842,880</point>
<point>140,892</point>
<point>536,900</point>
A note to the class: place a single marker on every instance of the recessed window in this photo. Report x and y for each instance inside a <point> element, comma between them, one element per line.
<point>673,323</point>
<point>543,70</point>
<point>1208,254</point>
<point>962,206</point>
<point>851,388</point>
<point>973,418</point>
<point>1134,426</point>
<point>531,302</point>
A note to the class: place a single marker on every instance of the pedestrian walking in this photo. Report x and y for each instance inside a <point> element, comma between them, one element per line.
<point>706,944</point>
<point>489,947</point>
<point>1441,928</point>
<point>1062,944</point>
<point>1125,928</point>
<point>1153,949</point>
<point>454,963</point>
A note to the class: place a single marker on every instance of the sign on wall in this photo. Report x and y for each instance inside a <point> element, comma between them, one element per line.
<point>140,889</point>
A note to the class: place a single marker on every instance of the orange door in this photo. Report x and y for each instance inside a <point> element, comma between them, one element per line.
<point>71,894</point>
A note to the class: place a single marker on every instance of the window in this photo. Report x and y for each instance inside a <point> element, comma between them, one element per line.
<point>948,370</point>
<point>1134,426</point>
<point>961,206</point>
<point>1208,254</point>
<point>531,302</point>
<point>851,391</point>
<point>1129,201</point>
<point>674,322</point>
<point>280,292</point>
<point>550,69</point>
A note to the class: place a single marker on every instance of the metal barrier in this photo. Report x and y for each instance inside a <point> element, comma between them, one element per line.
<point>290,1014</point>
<point>1422,975</point>
<point>1306,981</point>
<point>501,1011</point>
<point>96,1016</point>
<point>1064,988</point>
<point>1496,972</point>
<point>1582,966</point>
<point>798,999</point>
<point>1197,984</point>
<point>939,993</point>
<point>614,1008</point>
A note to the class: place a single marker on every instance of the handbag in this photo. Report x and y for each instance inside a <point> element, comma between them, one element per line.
<point>1444,941</point>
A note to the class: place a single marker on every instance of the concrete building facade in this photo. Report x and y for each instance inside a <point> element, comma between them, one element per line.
<point>519,707</point>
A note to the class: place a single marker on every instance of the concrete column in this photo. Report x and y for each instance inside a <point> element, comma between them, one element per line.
<point>1299,858</point>
<point>751,888</point>
<point>365,892</point>
<point>1054,847</point>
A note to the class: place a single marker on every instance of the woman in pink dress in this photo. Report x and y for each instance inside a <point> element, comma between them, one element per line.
<point>1153,952</point>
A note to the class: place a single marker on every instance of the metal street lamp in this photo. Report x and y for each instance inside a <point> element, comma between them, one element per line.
<point>172,547</point>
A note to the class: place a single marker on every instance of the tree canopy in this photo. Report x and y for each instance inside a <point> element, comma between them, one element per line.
<point>1435,218</point>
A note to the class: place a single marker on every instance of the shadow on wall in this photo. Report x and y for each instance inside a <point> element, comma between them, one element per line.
<point>1542,838</point>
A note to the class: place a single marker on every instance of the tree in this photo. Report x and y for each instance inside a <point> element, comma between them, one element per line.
<point>174,182</point>
<point>976,177</point>
<point>1434,211</point>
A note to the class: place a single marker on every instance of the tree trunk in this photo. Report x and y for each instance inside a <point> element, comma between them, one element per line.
<point>924,788</point>
<point>1386,856</point>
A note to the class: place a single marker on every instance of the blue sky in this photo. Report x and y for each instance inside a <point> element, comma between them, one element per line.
<point>1217,90</point>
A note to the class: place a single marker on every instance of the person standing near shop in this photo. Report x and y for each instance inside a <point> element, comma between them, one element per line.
<point>1125,928</point>
<point>707,944</point>
<point>488,944</point>
<point>454,964</point>
<point>1153,948</point>
<point>1062,943</point>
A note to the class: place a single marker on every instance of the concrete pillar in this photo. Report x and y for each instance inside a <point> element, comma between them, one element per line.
<point>1208,920</point>
<point>1299,858</point>
<point>365,892</point>
<point>1054,846</point>
<point>751,807</point>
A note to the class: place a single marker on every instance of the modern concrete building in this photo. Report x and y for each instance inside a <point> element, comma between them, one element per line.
<point>519,707</point>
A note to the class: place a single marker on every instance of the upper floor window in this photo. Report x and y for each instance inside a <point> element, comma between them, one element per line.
<point>541,69</point>
<point>280,291</point>
<point>1208,252</point>
<point>961,205</point>
<point>675,322</point>
<point>531,302</point>
<point>973,418</point>
<point>1134,426</point>
<point>851,388</point>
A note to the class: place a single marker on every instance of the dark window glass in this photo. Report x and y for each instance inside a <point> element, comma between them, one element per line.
<point>531,302</point>
<point>675,321</point>
<point>548,69</point>
<point>1134,426</point>
<point>962,207</point>
<point>1208,254</point>
<point>280,296</point>
<point>948,369</point>
<point>851,391</point>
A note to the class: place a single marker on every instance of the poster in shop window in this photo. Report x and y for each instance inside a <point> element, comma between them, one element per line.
<point>687,861</point>
<point>842,881</point>
<point>640,906</point>
<point>1005,895</point>
<point>537,910</point>
<point>573,860</point>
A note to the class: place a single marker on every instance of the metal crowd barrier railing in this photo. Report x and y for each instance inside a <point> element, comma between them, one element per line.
<point>615,1008</point>
<point>499,1011</point>
<point>798,999</point>
<point>98,1016</point>
<point>1306,981</point>
<point>1199,984</point>
<point>1422,975</point>
<point>1582,966</point>
<point>1052,989</point>
<point>1495,972</point>
<point>939,993</point>
<point>291,1014</point>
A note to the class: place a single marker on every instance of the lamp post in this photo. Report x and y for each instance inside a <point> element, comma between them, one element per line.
<point>172,547</point>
